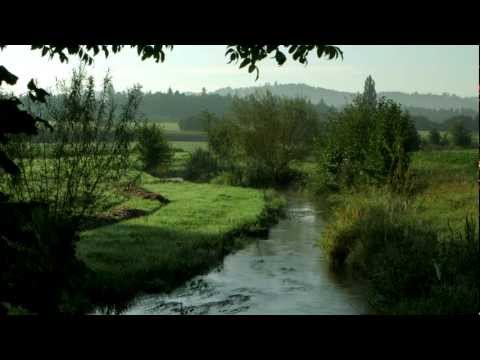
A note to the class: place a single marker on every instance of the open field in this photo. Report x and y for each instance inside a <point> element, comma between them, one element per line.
<point>450,187</point>
<point>169,126</point>
<point>189,146</point>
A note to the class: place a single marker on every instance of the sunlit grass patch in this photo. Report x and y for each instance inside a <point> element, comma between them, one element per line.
<point>173,243</point>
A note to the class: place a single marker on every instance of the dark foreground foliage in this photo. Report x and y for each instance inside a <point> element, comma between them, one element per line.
<point>38,267</point>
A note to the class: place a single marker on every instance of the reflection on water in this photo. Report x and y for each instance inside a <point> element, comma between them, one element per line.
<point>285,274</point>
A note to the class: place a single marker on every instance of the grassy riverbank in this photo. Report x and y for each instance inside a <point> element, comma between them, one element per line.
<point>173,242</point>
<point>419,252</point>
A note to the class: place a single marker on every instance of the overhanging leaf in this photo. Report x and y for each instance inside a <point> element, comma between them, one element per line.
<point>7,76</point>
<point>280,57</point>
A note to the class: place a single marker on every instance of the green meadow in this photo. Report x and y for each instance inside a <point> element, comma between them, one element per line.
<point>172,242</point>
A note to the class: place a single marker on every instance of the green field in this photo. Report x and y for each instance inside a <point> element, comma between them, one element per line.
<point>450,188</point>
<point>173,242</point>
<point>189,146</point>
<point>170,126</point>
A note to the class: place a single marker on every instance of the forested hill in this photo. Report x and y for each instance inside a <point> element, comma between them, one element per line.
<point>176,106</point>
<point>341,98</point>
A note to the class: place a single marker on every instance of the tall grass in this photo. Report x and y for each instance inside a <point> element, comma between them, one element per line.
<point>410,268</point>
<point>418,251</point>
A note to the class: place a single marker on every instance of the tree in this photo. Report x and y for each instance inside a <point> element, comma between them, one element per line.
<point>154,150</point>
<point>73,168</point>
<point>470,123</point>
<point>434,137</point>
<point>361,144</point>
<point>201,166</point>
<point>369,93</point>
<point>445,141</point>
<point>269,133</point>
<point>459,134</point>
<point>221,133</point>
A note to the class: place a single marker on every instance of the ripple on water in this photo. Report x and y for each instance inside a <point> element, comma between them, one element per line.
<point>285,274</point>
<point>232,304</point>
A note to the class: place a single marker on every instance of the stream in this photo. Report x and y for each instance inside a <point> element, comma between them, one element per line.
<point>286,274</point>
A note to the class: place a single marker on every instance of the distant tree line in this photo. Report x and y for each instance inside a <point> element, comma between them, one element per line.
<point>427,119</point>
<point>200,121</point>
<point>176,106</point>
<point>187,109</point>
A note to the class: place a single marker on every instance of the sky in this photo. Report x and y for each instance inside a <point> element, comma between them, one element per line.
<point>432,69</point>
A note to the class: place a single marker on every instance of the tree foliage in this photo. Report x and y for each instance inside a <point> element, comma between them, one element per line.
<point>250,55</point>
<point>460,135</point>
<point>201,166</point>
<point>265,133</point>
<point>361,144</point>
<point>434,137</point>
<point>73,167</point>
<point>369,92</point>
<point>154,151</point>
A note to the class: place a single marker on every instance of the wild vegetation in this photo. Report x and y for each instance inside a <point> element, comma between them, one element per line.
<point>368,142</point>
<point>260,138</point>
<point>101,209</point>
<point>413,242</point>
<point>154,151</point>
<point>73,168</point>
<point>36,246</point>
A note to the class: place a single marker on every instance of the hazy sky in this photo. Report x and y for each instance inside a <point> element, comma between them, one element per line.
<point>418,68</point>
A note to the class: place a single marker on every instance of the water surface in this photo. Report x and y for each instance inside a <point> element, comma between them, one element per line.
<point>282,275</point>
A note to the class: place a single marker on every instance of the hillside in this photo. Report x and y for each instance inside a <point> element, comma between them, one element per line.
<point>341,98</point>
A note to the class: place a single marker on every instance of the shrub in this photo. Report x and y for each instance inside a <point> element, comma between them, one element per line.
<point>378,238</point>
<point>38,267</point>
<point>460,135</point>
<point>155,152</point>
<point>434,137</point>
<point>201,166</point>
<point>74,167</point>
<point>444,141</point>
<point>227,178</point>
<point>197,122</point>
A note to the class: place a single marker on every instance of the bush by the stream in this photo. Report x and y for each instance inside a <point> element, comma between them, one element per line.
<point>409,269</point>
<point>202,166</point>
<point>365,144</point>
